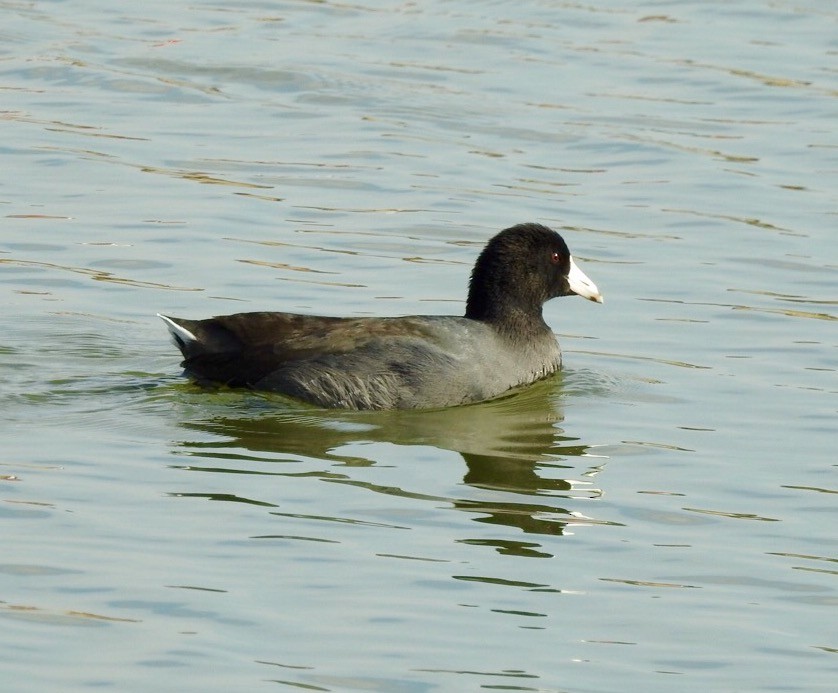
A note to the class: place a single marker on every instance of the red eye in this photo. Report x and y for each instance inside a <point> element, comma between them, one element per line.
<point>555,258</point>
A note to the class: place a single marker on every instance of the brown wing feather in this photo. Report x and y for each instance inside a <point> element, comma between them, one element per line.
<point>243,348</point>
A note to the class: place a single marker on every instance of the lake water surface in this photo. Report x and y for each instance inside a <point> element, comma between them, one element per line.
<point>661,516</point>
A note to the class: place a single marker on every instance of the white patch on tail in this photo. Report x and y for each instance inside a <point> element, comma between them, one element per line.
<point>180,335</point>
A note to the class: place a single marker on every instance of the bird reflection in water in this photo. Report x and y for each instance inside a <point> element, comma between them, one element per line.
<point>518,461</point>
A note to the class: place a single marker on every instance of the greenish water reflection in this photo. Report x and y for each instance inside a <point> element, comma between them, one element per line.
<point>517,458</point>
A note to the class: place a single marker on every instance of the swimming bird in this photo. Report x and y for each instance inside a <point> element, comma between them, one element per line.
<point>411,362</point>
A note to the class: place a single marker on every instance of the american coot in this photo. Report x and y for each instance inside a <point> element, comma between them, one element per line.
<point>413,362</point>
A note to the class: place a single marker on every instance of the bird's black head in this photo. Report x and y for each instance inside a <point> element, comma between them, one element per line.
<point>519,270</point>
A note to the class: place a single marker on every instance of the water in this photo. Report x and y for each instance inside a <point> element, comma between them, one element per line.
<point>660,516</point>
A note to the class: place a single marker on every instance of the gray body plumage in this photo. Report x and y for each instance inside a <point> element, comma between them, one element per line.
<point>374,363</point>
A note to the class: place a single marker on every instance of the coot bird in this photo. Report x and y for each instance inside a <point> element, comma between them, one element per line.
<point>412,362</point>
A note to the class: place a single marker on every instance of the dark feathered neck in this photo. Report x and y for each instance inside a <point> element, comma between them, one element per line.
<point>496,297</point>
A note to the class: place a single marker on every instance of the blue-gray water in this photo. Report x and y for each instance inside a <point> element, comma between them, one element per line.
<point>660,517</point>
